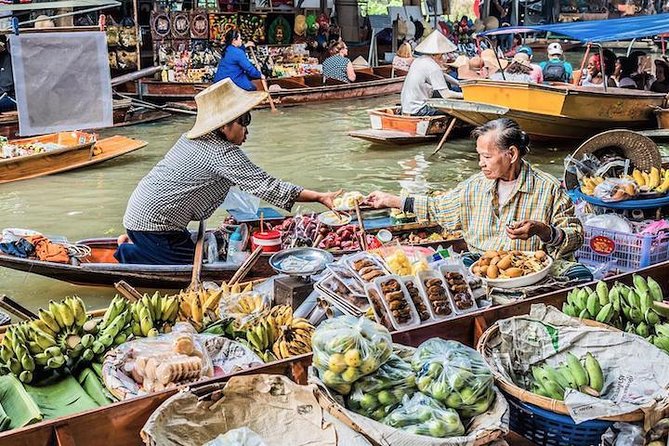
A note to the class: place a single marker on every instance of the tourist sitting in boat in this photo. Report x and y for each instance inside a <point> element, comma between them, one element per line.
<point>7,95</point>
<point>235,64</point>
<point>555,69</point>
<point>426,77</point>
<point>537,73</point>
<point>403,58</point>
<point>338,66</point>
<point>661,83</point>
<point>508,205</point>
<point>641,75</point>
<point>593,74</point>
<point>518,71</point>
<point>193,179</point>
<point>624,69</point>
<point>516,43</point>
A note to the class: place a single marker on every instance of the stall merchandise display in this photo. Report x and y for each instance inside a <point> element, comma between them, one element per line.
<point>122,44</point>
<point>11,150</point>
<point>187,60</point>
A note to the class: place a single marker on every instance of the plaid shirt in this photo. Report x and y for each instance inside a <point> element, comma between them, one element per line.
<point>473,207</point>
<point>191,182</point>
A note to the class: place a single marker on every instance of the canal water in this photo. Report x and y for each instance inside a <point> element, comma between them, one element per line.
<point>306,145</point>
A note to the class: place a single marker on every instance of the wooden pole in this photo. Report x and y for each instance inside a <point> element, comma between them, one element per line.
<point>263,80</point>
<point>197,258</point>
<point>446,134</point>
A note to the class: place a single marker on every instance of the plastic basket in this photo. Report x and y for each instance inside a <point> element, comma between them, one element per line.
<point>629,251</point>
<point>545,428</point>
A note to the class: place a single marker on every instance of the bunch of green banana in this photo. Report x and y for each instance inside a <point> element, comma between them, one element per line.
<point>114,328</point>
<point>261,336</point>
<point>155,314</point>
<point>638,309</point>
<point>586,377</point>
<point>15,357</point>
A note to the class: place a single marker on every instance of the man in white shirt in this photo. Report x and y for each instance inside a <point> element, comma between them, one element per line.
<point>426,76</point>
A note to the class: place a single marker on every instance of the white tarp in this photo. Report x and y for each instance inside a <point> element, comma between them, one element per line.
<point>62,81</point>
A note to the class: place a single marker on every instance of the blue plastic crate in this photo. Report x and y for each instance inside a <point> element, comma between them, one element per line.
<point>546,428</point>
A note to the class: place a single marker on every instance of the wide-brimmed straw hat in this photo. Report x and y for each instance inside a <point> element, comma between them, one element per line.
<point>640,150</point>
<point>436,43</point>
<point>471,70</point>
<point>491,22</point>
<point>492,61</point>
<point>459,61</point>
<point>522,59</point>
<point>221,104</point>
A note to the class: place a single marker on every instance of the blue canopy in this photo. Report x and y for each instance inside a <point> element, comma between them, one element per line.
<point>598,30</point>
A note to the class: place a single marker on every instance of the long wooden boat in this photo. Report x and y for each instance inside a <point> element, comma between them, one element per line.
<point>310,89</point>
<point>389,125</point>
<point>121,422</point>
<point>80,150</point>
<point>558,111</point>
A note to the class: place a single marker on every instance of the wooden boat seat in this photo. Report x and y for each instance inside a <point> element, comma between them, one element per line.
<point>288,83</point>
<point>364,77</point>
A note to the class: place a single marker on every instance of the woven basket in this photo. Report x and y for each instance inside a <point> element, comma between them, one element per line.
<point>639,149</point>
<point>532,398</point>
<point>662,115</point>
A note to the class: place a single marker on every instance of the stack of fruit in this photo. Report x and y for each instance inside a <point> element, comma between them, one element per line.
<point>422,415</point>
<point>655,180</point>
<point>638,309</point>
<point>552,382</point>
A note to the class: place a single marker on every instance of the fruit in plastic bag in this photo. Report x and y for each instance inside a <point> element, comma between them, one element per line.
<point>454,375</point>
<point>347,348</point>
<point>375,395</point>
<point>422,415</point>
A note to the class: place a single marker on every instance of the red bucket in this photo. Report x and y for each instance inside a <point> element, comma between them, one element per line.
<point>269,240</point>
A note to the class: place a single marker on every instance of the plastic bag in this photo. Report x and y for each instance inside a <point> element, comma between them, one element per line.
<point>242,436</point>
<point>240,201</point>
<point>422,415</point>
<point>347,348</point>
<point>454,375</point>
<point>616,189</point>
<point>245,308</point>
<point>375,395</point>
<point>612,222</point>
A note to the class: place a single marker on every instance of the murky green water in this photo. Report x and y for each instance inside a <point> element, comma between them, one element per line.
<point>307,145</point>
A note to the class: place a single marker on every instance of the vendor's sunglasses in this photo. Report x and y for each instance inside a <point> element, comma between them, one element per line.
<point>244,120</point>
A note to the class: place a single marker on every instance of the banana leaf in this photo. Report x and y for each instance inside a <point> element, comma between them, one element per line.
<point>17,404</point>
<point>5,421</point>
<point>64,397</point>
<point>93,386</point>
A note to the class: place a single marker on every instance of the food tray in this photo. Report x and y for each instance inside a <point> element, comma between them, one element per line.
<point>419,300</point>
<point>338,303</point>
<point>422,277</point>
<point>339,288</point>
<point>347,277</point>
<point>445,270</point>
<point>412,315</point>
<point>376,301</point>
<point>516,282</point>
<point>350,262</point>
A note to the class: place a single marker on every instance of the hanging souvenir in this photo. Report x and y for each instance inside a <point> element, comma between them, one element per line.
<point>252,27</point>
<point>323,21</point>
<point>112,35</point>
<point>126,60</point>
<point>199,25</point>
<point>180,25</point>
<point>219,24</point>
<point>300,28</point>
<point>228,5</point>
<point>279,31</point>
<point>127,37</point>
<point>312,25</point>
<point>113,64</point>
<point>160,25</point>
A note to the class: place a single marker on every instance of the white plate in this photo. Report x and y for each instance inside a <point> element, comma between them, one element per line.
<point>516,282</point>
<point>329,218</point>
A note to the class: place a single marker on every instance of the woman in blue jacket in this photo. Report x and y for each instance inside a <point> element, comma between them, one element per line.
<point>234,63</point>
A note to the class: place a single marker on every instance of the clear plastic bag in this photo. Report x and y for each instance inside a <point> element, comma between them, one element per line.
<point>245,308</point>
<point>375,395</point>
<point>422,415</point>
<point>347,348</point>
<point>454,375</point>
<point>240,201</point>
<point>616,189</point>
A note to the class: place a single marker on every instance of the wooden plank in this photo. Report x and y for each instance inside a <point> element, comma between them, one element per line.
<point>390,136</point>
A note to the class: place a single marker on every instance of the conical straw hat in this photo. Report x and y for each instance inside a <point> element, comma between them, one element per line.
<point>221,104</point>
<point>436,43</point>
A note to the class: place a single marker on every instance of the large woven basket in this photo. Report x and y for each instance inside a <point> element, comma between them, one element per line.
<point>640,150</point>
<point>526,396</point>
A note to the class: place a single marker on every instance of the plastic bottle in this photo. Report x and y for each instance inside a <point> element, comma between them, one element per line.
<point>235,246</point>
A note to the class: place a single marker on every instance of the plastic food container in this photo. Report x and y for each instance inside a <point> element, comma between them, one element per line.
<point>397,302</point>
<point>269,240</point>
<point>376,301</point>
<point>418,298</point>
<point>460,292</point>
<point>347,277</point>
<point>440,304</point>
<point>363,265</point>
<point>333,284</point>
<point>516,282</point>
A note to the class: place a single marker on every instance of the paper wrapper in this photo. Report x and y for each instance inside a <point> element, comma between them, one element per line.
<point>636,373</point>
<point>278,410</point>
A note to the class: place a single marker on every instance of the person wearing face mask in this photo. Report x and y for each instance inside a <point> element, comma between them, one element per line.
<point>509,205</point>
<point>235,64</point>
<point>195,176</point>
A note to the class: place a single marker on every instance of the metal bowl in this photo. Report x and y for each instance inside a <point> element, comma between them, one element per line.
<point>300,261</point>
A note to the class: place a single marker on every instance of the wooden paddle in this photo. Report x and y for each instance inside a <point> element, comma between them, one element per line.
<point>15,308</point>
<point>197,260</point>
<point>446,134</point>
<point>263,80</point>
<point>128,291</point>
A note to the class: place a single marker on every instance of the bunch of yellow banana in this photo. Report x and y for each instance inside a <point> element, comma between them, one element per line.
<point>246,308</point>
<point>200,308</point>
<point>655,180</point>
<point>588,184</point>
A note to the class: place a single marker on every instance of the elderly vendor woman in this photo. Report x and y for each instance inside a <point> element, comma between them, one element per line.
<point>193,179</point>
<point>508,205</point>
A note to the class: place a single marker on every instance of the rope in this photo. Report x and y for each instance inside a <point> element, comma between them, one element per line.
<point>77,251</point>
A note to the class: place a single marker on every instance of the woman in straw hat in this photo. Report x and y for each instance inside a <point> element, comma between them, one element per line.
<point>518,71</point>
<point>193,179</point>
<point>426,77</point>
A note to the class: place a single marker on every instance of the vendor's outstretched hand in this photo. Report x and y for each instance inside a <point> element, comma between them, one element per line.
<point>526,229</point>
<point>327,198</point>
<point>382,200</point>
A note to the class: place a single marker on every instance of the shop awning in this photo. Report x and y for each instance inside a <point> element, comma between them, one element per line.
<point>59,5</point>
<point>626,28</point>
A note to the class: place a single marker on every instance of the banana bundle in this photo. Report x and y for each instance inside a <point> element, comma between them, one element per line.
<point>638,309</point>
<point>201,308</point>
<point>588,184</point>
<point>154,315</point>
<point>586,377</point>
<point>279,335</point>
<point>655,180</point>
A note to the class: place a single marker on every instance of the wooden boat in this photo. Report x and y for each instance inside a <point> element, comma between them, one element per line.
<point>100,268</point>
<point>388,125</point>
<point>370,82</point>
<point>80,150</point>
<point>558,111</point>
<point>121,422</point>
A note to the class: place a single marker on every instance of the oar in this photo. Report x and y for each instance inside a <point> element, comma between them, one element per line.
<point>263,80</point>
<point>197,260</point>
<point>445,137</point>
<point>15,308</point>
<point>128,291</point>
